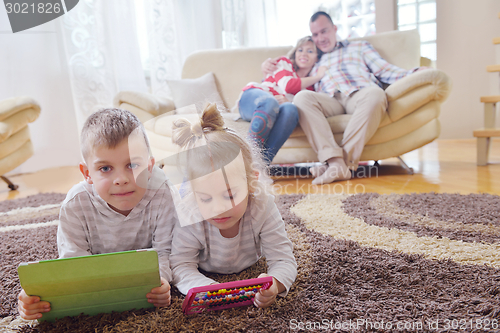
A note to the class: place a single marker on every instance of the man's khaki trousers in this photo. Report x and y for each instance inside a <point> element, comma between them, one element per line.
<point>367,106</point>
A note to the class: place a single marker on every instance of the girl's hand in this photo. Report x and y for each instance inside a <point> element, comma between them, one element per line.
<point>30,307</point>
<point>281,99</point>
<point>269,66</point>
<point>321,71</point>
<point>160,296</point>
<point>265,298</point>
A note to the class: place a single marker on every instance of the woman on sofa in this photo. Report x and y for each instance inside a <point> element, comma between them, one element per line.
<point>267,105</point>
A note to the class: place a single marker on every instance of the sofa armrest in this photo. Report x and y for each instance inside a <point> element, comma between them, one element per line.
<point>151,104</point>
<point>425,62</point>
<point>417,89</point>
<point>13,105</point>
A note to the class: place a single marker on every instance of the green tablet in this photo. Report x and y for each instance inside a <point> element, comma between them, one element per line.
<point>92,284</point>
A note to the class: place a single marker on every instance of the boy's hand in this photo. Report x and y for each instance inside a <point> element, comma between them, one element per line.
<point>160,296</point>
<point>265,298</point>
<point>30,307</point>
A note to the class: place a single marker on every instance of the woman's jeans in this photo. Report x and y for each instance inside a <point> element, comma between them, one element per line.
<point>270,123</point>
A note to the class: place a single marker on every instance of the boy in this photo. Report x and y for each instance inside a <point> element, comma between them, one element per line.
<point>124,203</point>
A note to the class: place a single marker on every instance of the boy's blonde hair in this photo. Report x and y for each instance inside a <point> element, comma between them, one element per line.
<point>222,146</point>
<point>300,42</point>
<point>108,128</point>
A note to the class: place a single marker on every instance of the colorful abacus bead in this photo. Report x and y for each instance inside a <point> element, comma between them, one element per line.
<point>201,299</point>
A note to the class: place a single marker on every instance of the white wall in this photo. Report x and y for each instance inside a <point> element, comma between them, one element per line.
<point>385,15</point>
<point>465,30</point>
<point>30,64</point>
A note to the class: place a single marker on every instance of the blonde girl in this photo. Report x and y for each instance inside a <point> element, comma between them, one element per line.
<point>234,219</point>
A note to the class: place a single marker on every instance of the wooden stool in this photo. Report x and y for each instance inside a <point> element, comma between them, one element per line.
<point>484,135</point>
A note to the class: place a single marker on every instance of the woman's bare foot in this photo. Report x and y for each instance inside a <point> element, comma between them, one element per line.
<point>337,170</point>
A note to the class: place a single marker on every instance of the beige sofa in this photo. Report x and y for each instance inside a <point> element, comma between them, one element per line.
<point>411,120</point>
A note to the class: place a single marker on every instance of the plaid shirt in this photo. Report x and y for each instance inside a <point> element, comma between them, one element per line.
<point>354,65</point>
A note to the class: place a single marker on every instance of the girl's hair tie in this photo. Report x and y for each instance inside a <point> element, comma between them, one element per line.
<point>197,130</point>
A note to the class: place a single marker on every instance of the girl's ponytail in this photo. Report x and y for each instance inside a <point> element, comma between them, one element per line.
<point>186,134</point>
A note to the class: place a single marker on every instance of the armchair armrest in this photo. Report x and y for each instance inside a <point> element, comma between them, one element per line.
<point>13,105</point>
<point>417,89</point>
<point>15,114</point>
<point>151,104</point>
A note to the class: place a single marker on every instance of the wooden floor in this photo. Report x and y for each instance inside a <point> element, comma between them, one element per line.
<point>444,166</point>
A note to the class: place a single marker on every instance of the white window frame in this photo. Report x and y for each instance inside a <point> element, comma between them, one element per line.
<point>417,21</point>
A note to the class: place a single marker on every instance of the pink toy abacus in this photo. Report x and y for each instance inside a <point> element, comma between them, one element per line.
<point>224,295</point>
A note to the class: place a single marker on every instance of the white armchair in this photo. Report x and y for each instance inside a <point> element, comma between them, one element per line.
<point>15,142</point>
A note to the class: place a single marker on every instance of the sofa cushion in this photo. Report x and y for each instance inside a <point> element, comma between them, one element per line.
<point>400,48</point>
<point>403,144</point>
<point>197,91</point>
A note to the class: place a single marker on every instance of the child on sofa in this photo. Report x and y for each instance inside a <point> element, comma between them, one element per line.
<point>267,105</point>
<point>233,218</point>
<point>125,202</point>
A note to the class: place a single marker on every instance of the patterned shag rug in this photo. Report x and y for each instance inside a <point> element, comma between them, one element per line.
<point>367,262</point>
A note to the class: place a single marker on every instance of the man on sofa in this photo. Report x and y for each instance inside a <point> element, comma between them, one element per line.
<point>352,85</point>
